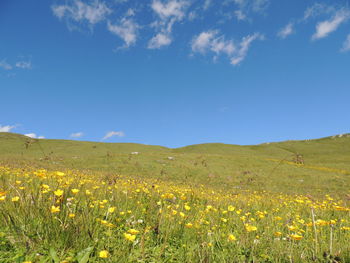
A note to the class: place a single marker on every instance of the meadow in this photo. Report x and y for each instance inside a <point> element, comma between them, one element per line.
<point>66,201</point>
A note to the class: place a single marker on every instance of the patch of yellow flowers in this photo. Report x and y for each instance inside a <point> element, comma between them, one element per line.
<point>139,213</point>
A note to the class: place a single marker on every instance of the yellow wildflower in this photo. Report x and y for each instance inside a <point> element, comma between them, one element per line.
<point>103,254</point>
<point>133,231</point>
<point>55,209</point>
<point>296,237</point>
<point>58,192</point>
<point>231,237</point>
<point>129,237</point>
<point>15,199</point>
<point>75,191</point>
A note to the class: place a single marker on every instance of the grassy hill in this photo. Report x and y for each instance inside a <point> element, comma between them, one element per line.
<point>270,166</point>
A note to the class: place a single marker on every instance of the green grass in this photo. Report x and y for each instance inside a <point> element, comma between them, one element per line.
<point>208,203</point>
<point>257,167</point>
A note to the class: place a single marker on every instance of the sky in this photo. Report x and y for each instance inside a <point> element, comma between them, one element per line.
<point>175,72</point>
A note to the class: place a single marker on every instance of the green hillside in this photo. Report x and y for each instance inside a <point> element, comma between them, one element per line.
<point>269,166</point>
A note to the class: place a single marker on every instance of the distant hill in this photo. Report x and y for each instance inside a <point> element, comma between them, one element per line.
<point>269,166</point>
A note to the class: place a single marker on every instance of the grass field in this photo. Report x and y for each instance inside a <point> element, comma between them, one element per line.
<point>70,201</point>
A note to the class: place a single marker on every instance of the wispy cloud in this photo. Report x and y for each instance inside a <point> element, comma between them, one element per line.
<point>24,64</point>
<point>316,10</point>
<point>244,47</point>
<point>286,31</point>
<point>19,64</point>
<point>77,135</point>
<point>169,13</point>
<point>324,28</point>
<point>113,134</point>
<point>91,12</point>
<point>159,40</point>
<point>211,41</point>
<point>34,136</point>
<point>248,6</point>
<point>346,44</point>
<point>7,128</point>
<point>126,29</point>
<point>5,65</point>
<point>240,15</point>
<point>207,4</point>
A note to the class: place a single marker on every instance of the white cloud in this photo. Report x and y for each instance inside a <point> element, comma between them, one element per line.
<point>240,15</point>
<point>34,136</point>
<point>244,47</point>
<point>78,11</point>
<point>169,13</point>
<point>5,65</point>
<point>6,128</point>
<point>77,135</point>
<point>207,4</point>
<point>112,134</point>
<point>260,5</point>
<point>324,28</point>
<point>248,6</point>
<point>346,44</point>
<point>24,64</point>
<point>210,41</point>
<point>159,40</point>
<point>317,9</point>
<point>286,31</point>
<point>127,30</point>
<point>203,41</point>
<point>172,8</point>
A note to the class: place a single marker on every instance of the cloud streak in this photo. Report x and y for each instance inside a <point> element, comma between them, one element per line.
<point>77,135</point>
<point>169,13</point>
<point>7,128</point>
<point>346,45</point>
<point>324,28</point>
<point>286,31</point>
<point>91,12</point>
<point>212,42</point>
<point>111,134</point>
<point>34,136</point>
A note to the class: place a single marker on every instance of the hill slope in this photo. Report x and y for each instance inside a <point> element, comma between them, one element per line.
<point>266,166</point>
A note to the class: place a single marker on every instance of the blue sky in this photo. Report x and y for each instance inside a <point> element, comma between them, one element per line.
<point>175,72</point>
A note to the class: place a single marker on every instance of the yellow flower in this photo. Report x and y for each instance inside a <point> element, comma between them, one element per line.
<point>75,191</point>
<point>231,237</point>
<point>55,209</point>
<point>250,228</point>
<point>277,234</point>
<point>189,225</point>
<point>230,208</point>
<point>103,254</point>
<point>111,209</point>
<point>296,237</point>
<point>60,173</point>
<point>58,192</point>
<point>133,231</point>
<point>71,215</point>
<point>27,261</point>
<point>187,208</point>
<point>2,198</point>
<point>129,237</point>
<point>15,199</point>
